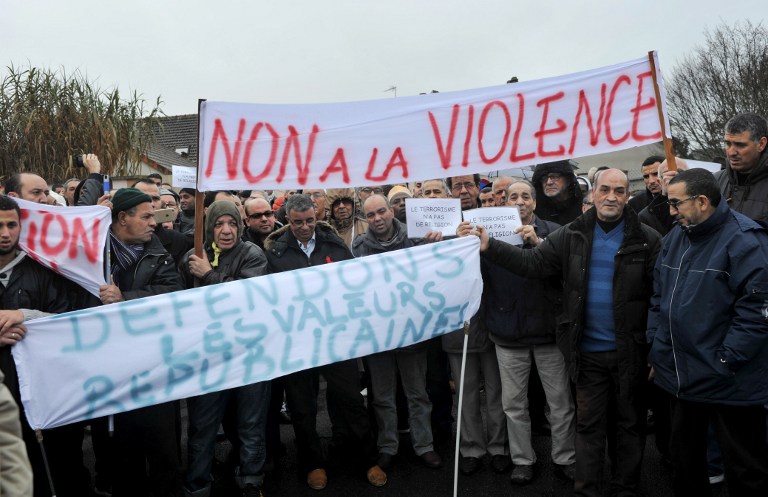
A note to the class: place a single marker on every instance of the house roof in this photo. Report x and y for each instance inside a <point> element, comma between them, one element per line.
<point>165,157</point>
<point>174,132</point>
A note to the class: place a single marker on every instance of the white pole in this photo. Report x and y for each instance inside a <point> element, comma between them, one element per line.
<point>458,412</point>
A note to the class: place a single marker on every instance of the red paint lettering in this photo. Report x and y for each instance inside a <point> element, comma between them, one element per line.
<point>293,143</point>
<point>513,157</point>
<point>338,165</point>
<point>640,107</point>
<point>543,131</point>
<point>397,160</point>
<point>594,129</point>
<point>468,137</point>
<point>613,141</point>
<point>48,218</point>
<point>232,156</point>
<point>92,249</point>
<point>481,131</point>
<point>272,153</point>
<point>445,152</point>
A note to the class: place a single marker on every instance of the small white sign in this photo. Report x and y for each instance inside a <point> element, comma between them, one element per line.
<point>499,221</point>
<point>184,177</point>
<point>432,214</point>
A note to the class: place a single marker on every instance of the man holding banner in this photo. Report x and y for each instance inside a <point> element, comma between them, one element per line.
<point>146,453</point>
<point>28,291</point>
<point>227,258</point>
<point>605,258</point>
<point>305,243</point>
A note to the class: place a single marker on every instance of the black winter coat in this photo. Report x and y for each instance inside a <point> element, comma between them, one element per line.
<point>244,260</point>
<point>154,274</point>
<point>566,253</point>
<point>750,197</point>
<point>284,253</point>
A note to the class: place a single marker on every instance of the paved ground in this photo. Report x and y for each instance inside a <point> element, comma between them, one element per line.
<point>409,478</point>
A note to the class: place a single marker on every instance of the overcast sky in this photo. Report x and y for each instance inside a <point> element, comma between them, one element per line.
<point>305,51</point>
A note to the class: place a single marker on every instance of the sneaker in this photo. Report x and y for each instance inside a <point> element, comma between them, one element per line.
<point>251,490</point>
<point>715,479</point>
<point>521,475</point>
<point>470,465</point>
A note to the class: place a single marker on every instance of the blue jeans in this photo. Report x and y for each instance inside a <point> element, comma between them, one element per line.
<point>205,415</point>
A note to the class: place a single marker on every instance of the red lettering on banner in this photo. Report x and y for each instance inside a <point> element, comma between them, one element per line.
<point>481,131</point>
<point>293,143</point>
<point>397,160</point>
<point>594,130</point>
<point>513,157</point>
<point>640,107</point>
<point>338,165</point>
<point>232,156</point>
<point>468,137</point>
<point>543,131</point>
<point>613,141</point>
<point>272,153</point>
<point>444,152</point>
<point>52,250</point>
<point>79,232</point>
<point>31,230</point>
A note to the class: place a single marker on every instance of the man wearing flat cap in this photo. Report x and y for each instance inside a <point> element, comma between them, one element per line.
<point>145,448</point>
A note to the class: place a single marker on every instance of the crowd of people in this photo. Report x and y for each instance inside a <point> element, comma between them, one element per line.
<point>612,308</point>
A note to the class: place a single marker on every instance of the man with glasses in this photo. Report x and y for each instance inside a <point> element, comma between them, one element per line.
<point>319,198</point>
<point>558,196</point>
<point>304,243</point>
<point>708,330</point>
<point>481,368</point>
<point>260,221</point>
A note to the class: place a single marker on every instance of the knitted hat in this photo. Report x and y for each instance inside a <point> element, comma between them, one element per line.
<point>397,190</point>
<point>215,211</point>
<point>127,198</point>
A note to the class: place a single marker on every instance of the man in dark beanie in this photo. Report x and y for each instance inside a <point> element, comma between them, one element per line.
<point>558,196</point>
<point>145,451</point>
<point>227,258</point>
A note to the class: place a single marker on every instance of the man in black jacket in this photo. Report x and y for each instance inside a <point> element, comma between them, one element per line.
<point>29,291</point>
<point>145,448</point>
<point>605,259</point>
<point>652,180</point>
<point>520,317</point>
<point>303,243</point>
<point>227,258</point>
<point>558,193</point>
<point>385,234</point>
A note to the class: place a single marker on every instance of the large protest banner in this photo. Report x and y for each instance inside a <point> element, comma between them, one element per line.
<point>69,240</point>
<point>123,356</point>
<point>245,146</point>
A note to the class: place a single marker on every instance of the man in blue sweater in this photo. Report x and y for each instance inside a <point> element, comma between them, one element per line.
<point>605,259</point>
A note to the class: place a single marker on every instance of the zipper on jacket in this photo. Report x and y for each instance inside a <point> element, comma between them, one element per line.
<point>669,317</point>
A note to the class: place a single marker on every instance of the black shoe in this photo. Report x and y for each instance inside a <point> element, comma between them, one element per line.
<point>469,465</point>
<point>500,463</point>
<point>431,459</point>
<point>251,490</point>
<point>385,461</point>
<point>566,471</point>
<point>521,475</point>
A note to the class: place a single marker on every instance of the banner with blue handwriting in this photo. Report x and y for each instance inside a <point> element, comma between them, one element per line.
<point>124,356</point>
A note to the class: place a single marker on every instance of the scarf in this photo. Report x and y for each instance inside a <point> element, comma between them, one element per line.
<point>124,256</point>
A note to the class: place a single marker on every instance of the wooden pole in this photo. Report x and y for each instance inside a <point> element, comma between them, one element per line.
<point>199,196</point>
<point>669,150</point>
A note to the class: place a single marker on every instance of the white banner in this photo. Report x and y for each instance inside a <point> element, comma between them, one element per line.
<point>69,240</point>
<point>120,357</point>
<point>500,222</point>
<point>261,146</point>
<point>432,214</point>
<point>183,177</point>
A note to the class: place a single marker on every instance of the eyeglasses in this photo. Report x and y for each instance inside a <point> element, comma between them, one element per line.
<point>551,176</point>
<point>259,215</point>
<point>674,202</point>
<point>457,187</point>
<point>372,190</point>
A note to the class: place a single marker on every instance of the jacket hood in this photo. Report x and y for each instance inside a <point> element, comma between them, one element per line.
<point>562,167</point>
<point>214,212</point>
